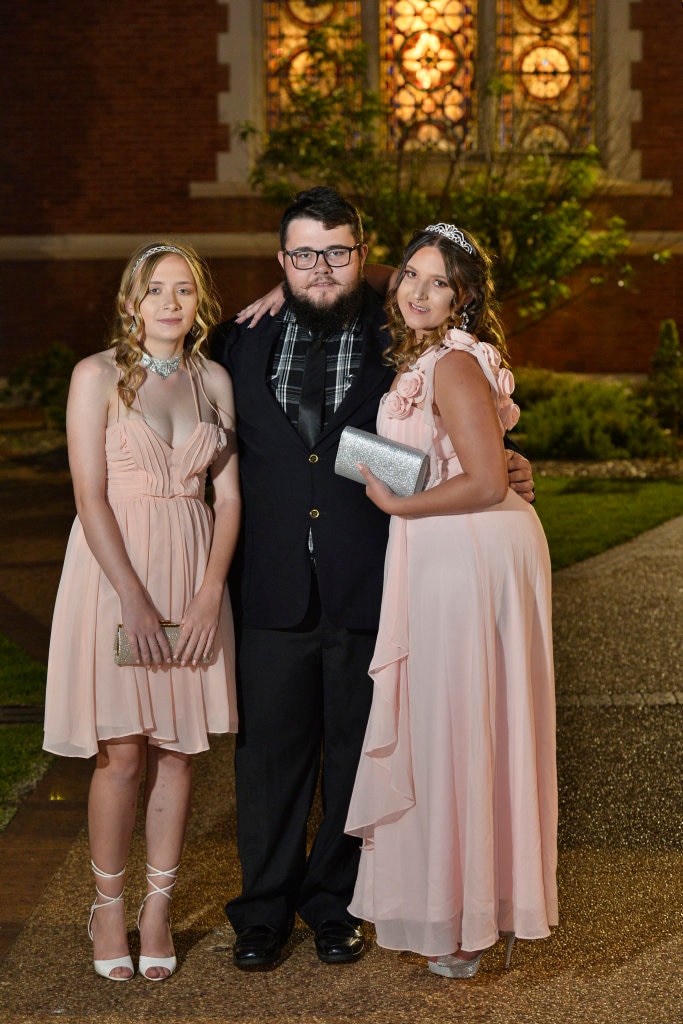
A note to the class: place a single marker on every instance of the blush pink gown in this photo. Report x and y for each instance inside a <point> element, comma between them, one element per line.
<point>156,493</point>
<point>455,797</point>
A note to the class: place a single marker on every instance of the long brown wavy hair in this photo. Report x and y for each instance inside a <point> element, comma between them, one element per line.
<point>128,331</point>
<point>470,277</point>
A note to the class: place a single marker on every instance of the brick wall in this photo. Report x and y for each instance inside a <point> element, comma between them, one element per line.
<point>111,109</point>
<point>608,329</point>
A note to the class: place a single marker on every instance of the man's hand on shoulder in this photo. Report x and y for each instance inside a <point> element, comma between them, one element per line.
<point>271,303</point>
<point>520,475</point>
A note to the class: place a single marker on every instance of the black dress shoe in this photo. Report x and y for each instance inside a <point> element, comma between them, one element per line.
<point>257,945</point>
<point>339,942</point>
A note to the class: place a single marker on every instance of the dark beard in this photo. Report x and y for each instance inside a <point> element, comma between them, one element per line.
<point>329,319</point>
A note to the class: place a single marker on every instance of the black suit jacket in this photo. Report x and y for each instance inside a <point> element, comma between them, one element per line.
<point>288,489</point>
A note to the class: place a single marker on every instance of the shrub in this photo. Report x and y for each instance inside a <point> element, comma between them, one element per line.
<point>42,379</point>
<point>664,385</point>
<point>533,385</point>
<point>565,417</point>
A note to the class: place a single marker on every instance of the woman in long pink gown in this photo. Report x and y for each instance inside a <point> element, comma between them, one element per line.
<point>145,420</point>
<point>455,797</point>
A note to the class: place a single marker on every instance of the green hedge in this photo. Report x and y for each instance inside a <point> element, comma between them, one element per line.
<point>568,417</point>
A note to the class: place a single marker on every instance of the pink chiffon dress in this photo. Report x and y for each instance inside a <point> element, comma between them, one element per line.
<point>156,493</point>
<point>455,797</point>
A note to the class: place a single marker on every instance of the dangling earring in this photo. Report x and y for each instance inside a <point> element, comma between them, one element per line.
<point>195,330</point>
<point>466,314</point>
<point>133,325</point>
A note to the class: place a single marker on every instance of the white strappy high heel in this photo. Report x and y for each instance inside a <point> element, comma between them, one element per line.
<point>451,966</point>
<point>105,967</point>
<point>167,963</point>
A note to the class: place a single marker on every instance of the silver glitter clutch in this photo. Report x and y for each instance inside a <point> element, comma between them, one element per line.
<point>399,466</point>
<point>124,656</point>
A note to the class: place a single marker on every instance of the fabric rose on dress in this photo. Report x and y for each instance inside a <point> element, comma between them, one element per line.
<point>492,354</point>
<point>411,385</point>
<point>397,406</point>
<point>460,340</point>
<point>506,382</point>
<point>410,389</point>
<point>507,410</point>
<point>498,376</point>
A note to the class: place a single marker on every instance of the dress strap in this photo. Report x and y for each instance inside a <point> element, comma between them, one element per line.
<point>190,362</point>
<point>118,400</point>
<point>118,392</point>
<point>191,370</point>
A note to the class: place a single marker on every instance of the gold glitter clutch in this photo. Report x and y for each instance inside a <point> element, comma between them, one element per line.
<point>399,466</point>
<point>124,656</point>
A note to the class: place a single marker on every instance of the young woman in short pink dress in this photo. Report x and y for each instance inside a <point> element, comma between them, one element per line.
<point>146,419</point>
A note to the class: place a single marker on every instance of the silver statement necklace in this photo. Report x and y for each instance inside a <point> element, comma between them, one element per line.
<point>162,367</point>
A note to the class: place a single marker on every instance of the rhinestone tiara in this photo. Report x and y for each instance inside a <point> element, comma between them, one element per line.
<point>150,252</point>
<point>455,235</point>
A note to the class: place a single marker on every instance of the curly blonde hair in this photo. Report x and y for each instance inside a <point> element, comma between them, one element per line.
<point>128,332</point>
<point>469,275</point>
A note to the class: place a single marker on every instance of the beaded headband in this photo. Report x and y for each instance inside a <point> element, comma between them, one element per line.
<point>455,235</point>
<point>152,251</point>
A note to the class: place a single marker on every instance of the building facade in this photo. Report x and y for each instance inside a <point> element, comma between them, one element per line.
<point>121,124</point>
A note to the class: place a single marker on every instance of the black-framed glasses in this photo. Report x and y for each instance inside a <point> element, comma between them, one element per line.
<point>335,256</point>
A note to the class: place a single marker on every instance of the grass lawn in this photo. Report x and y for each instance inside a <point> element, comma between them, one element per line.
<point>23,763</point>
<point>581,517</point>
<point>22,759</point>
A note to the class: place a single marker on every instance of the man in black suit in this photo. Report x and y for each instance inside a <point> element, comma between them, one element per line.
<point>311,580</point>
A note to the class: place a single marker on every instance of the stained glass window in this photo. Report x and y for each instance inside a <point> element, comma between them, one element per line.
<point>545,49</point>
<point>288,59</point>
<point>437,59</point>
<point>427,50</point>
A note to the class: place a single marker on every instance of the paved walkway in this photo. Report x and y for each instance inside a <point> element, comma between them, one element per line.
<point>618,953</point>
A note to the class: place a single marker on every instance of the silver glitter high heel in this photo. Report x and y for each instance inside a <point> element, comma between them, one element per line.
<point>168,963</point>
<point>105,967</point>
<point>451,966</point>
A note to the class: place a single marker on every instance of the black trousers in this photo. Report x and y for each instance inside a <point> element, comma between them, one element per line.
<point>305,696</point>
